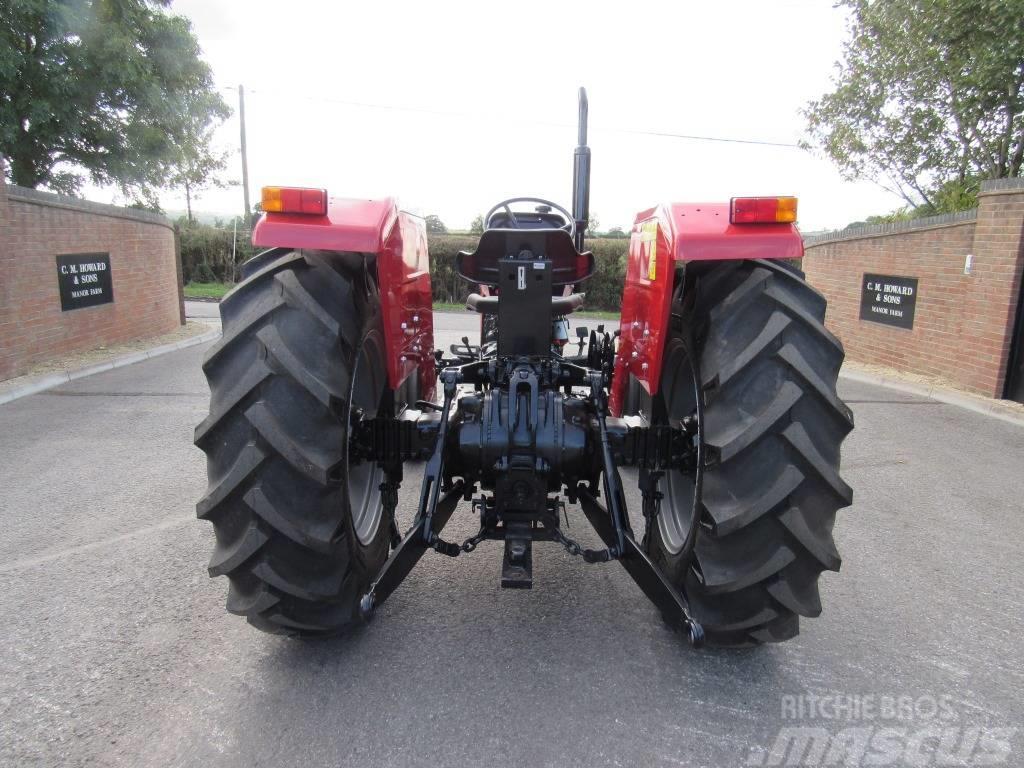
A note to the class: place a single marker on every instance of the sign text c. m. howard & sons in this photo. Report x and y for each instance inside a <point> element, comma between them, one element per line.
<point>84,280</point>
<point>888,299</point>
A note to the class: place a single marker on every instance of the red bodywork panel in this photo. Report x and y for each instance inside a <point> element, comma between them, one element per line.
<point>399,242</point>
<point>660,238</point>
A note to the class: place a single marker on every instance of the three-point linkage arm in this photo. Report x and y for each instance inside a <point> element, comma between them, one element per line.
<point>646,447</point>
<point>432,515</point>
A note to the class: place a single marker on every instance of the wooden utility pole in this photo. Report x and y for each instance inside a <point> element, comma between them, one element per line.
<point>245,159</point>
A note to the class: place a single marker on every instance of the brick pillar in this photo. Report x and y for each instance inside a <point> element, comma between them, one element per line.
<point>7,255</point>
<point>990,302</point>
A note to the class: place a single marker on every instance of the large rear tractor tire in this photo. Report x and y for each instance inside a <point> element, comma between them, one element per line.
<point>299,531</point>
<point>772,430</point>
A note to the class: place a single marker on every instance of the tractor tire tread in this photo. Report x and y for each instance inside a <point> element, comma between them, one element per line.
<point>279,380</point>
<point>774,425</point>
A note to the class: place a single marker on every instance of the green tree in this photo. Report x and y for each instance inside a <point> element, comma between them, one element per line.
<point>198,164</point>
<point>477,227</point>
<point>900,214</point>
<point>593,226</point>
<point>435,226</point>
<point>195,172</point>
<point>616,232</point>
<point>109,90</point>
<point>929,98</point>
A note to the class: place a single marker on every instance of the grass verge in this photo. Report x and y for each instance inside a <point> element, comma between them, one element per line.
<point>444,306</point>
<point>207,290</point>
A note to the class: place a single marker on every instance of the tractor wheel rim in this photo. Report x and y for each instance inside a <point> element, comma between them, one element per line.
<point>365,478</point>
<point>681,393</point>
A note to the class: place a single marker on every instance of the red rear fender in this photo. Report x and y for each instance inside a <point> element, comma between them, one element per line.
<point>661,238</point>
<point>398,240</point>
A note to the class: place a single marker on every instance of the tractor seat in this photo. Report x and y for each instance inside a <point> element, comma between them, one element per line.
<point>560,305</point>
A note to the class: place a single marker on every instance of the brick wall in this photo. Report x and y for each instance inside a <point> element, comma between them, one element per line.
<point>963,324</point>
<point>37,226</point>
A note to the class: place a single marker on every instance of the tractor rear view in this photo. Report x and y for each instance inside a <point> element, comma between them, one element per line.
<point>718,389</point>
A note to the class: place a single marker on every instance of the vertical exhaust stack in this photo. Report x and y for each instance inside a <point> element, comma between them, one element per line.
<point>581,175</point>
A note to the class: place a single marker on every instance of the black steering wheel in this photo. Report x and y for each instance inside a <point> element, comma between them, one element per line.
<point>506,206</point>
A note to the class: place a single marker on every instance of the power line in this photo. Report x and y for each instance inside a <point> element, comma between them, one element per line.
<point>549,123</point>
<point>662,134</point>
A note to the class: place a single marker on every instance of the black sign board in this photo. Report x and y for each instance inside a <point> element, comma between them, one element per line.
<point>84,280</point>
<point>888,299</point>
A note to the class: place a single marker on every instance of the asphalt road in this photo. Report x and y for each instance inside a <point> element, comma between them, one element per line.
<point>202,310</point>
<point>115,648</point>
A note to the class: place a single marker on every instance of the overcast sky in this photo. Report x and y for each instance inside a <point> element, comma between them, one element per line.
<point>476,101</point>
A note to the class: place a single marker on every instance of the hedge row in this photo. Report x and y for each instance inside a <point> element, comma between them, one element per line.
<point>206,253</point>
<point>206,258</point>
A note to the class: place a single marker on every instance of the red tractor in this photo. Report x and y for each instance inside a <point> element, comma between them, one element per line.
<point>719,388</point>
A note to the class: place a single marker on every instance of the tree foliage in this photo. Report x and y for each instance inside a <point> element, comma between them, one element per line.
<point>212,253</point>
<point>109,90</point>
<point>929,98</point>
<point>434,225</point>
<point>198,164</point>
<point>477,225</point>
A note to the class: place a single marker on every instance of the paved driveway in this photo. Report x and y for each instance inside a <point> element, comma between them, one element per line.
<point>115,648</point>
<point>202,310</point>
